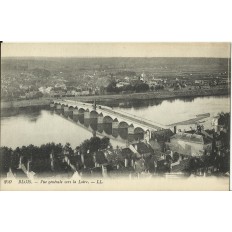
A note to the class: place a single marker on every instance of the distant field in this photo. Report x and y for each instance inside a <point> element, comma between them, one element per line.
<point>168,67</point>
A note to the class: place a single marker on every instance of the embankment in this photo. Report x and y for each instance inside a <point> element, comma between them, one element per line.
<point>120,97</point>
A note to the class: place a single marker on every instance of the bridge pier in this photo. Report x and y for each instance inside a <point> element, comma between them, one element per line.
<point>70,113</point>
<point>100,123</point>
<point>115,124</point>
<point>52,105</point>
<point>66,111</point>
<point>81,115</point>
<point>93,120</point>
<point>131,130</point>
<point>100,119</point>
<point>107,124</point>
<point>86,118</point>
<point>87,114</point>
<point>75,115</point>
<point>58,108</point>
<point>62,109</point>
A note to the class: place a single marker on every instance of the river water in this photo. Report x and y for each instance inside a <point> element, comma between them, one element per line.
<point>42,125</point>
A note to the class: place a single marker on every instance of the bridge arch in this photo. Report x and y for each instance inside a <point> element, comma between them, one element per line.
<point>71,109</point>
<point>93,120</point>
<point>86,118</point>
<point>62,108</point>
<point>107,124</point>
<point>93,114</point>
<point>139,133</point>
<point>81,112</point>
<point>115,124</point>
<point>123,130</point>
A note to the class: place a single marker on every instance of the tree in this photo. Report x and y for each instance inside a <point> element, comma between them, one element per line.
<point>95,144</point>
<point>112,87</point>
<point>38,95</point>
<point>84,147</point>
<point>142,87</point>
<point>68,150</point>
<point>5,160</point>
<point>105,142</point>
<point>42,73</point>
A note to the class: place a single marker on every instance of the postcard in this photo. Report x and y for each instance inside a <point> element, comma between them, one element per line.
<point>115,116</point>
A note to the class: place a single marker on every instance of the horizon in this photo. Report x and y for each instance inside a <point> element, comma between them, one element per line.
<point>108,57</point>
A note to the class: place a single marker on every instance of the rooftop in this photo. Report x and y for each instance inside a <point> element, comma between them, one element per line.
<point>142,148</point>
<point>189,137</point>
<point>127,153</point>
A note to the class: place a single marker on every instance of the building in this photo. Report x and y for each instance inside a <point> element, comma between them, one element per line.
<point>190,144</point>
<point>158,138</point>
<point>122,84</point>
<point>141,149</point>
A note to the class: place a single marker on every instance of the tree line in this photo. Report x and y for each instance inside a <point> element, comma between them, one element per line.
<point>138,87</point>
<point>40,156</point>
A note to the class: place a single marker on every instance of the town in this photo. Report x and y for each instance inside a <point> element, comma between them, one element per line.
<point>24,79</point>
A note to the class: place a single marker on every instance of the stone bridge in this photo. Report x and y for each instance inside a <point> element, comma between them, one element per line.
<point>112,121</point>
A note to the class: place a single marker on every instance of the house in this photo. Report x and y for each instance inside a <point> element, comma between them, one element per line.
<point>141,149</point>
<point>85,92</point>
<point>42,89</point>
<point>158,138</point>
<point>128,156</point>
<point>162,135</point>
<point>60,85</point>
<point>121,84</point>
<point>140,165</point>
<point>198,81</point>
<point>190,144</point>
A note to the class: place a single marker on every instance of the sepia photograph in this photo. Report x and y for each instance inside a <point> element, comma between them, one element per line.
<point>115,116</point>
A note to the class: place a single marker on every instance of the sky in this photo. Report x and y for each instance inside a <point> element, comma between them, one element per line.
<point>220,50</point>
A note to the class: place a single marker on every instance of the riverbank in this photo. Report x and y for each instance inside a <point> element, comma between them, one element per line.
<point>25,103</point>
<point>161,95</point>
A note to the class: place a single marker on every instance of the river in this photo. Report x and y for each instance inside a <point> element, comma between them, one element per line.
<point>42,125</point>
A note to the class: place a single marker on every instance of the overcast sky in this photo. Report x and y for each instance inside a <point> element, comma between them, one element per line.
<point>116,49</point>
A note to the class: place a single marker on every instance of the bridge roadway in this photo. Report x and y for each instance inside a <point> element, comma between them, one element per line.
<point>107,110</point>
